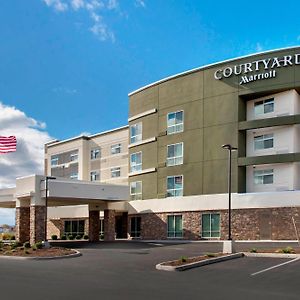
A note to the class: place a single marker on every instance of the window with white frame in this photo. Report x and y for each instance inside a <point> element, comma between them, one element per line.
<point>74,176</point>
<point>175,122</point>
<point>115,172</point>
<point>265,141</point>
<point>263,176</point>
<point>136,132</point>
<point>95,153</point>
<point>175,154</point>
<point>136,162</point>
<point>264,106</point>
<point>116,148</point>
<point>136,190</point>
<point>210,225</point>
<point>54,161</point>
<point>175,226</point>
<point>74,156</point>
<point>174,186</point>
<point>95,175</point>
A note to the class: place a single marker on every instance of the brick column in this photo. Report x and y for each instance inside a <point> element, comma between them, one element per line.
<point>109,225</point>
<point>94,225</point>
<point>22,224</point>
<point>37,223</point>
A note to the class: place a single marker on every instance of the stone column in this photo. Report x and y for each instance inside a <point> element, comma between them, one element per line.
<point>37,223</point>
<point>22,222</point>
<point>94,225</point>
<point>109,225</point>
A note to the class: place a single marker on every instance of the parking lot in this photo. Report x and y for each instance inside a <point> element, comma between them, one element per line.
<point>126,270</point>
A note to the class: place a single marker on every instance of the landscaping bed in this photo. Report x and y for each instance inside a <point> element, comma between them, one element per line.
<point>37,250</point>
<point>285,250</point>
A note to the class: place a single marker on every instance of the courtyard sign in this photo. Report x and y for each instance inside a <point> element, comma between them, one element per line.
<point>269,68</point>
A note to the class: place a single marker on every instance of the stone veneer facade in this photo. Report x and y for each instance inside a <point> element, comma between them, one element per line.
<point>109,225</point>
<point>22,224</point>
<point>94,225</point>
<point>37,223</point>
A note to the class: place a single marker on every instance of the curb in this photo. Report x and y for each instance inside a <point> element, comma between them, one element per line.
<point>271,255</point>
<point>73,255</point>
<point>205,262</point>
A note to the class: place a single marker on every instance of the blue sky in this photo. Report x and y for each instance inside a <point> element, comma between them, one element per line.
<point>67,66</point>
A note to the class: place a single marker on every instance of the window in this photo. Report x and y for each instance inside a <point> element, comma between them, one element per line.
<point>265,141</point>
<point>115,149</point>
<point>175,226</point>
<point>95,153</point>
<point>136,190</point>
<point>74,227</point>
<point>210,225</point>
<point>136,162</point>
<point>74,156</point>
<point>101,231</point>
<point>54,161</point>
<point>264,106</point>
<point>264,176</point>
<point>136,133</point>
<point>174,186</point>
<point>74,176</point>
<point>175,154</point>
<point>95,175</point>
<point>115,172</point>
<point>135,227</point>
<point>175,122</point>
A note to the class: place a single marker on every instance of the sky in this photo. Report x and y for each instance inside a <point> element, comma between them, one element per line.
<point>68,65</point>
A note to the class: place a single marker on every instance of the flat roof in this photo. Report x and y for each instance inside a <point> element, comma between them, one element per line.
<point>206,67</point>
<point>86,137</point>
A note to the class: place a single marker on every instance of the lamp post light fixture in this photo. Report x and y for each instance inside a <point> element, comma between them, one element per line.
<point>46,203</point>
<point>230,149</point>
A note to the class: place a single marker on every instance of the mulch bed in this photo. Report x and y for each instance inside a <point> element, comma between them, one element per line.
<point>188,260</point>
<point>277,250</point>
<point>29,252</point>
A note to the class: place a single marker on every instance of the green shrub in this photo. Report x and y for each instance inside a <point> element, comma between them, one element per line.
<point>210,255</point>
<point>12,238</point>
<point>85,237</point>
<point>253,250</point>
<point>26,252</point>
<point>54,237</point>
<point>26,245</point>
<point>7,236</point>
<point>78,237</point>
<point>63,237</point>
<point>39,245</point>
<point>1,245</point>
<point>183,259</point>
<point>288,250</point>
<point>15,245</point>
<point>70,237</point>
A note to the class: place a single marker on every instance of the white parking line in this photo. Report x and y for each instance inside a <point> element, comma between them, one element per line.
<point>276,266</point>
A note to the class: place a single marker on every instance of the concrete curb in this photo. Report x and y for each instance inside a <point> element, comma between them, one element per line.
<point>73,255</point>
<point>205,262</point>
<point>271,255</point>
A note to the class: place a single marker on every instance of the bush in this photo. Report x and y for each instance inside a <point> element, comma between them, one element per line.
<point>15,245</point>
<point>63,237</point>
<point>12,238</point>
<point>288,250</point>
<point>85,237</point>
<point>210,255</point>
<point>39,245</point>
<point>26,252</point>
<point>54,237</point>
<point>183,259</point>
<point>1,245</point>
<point>26,245</point>
<point>253,250</point>
<point>70,237</point>
<point>78,237</point>
<point>6,236</point>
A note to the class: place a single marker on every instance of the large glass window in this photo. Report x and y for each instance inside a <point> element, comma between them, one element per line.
<point>135,227</point>
<point>95,176</point>
<point>174,186</point>
<point>175,226</point>
<point>74,176</point>
<point>175,122</point>
<point>136,133</point>
<point>101,231</point>
<point>115,149</point>
<point>265,141</point>
<point>74,156</point>
<point>175,154</point>
<point>74,227</point>
<point>54,161</point>
<point>136,162</point>
<point>95,153</point>
<point>263,176</point>
<point>136,190</point>
<point>264,106</point>
<point>115,172</point>
<point>210,225</point>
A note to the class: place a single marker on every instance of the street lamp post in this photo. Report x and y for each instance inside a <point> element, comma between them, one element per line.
<point>46,203</point>
<point>230,149</point>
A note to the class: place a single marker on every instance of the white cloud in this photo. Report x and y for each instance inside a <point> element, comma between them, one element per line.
<point>77,4</point>
<point>64,90</point>
<point>112,4</point>
<point>140,3</point>
<point>102,32</point>
<point>58,5</point>
<point>29,157</point>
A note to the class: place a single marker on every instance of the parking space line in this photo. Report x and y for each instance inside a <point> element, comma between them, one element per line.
<point>276,266</point>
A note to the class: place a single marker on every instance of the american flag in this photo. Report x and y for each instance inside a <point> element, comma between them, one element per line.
<point>8,144</point>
